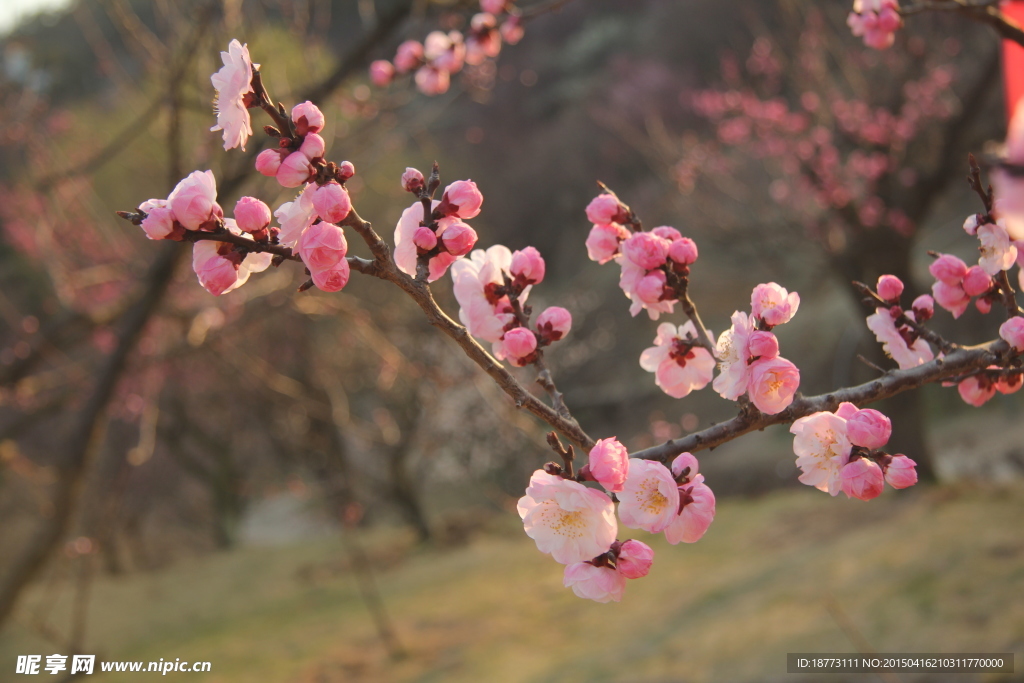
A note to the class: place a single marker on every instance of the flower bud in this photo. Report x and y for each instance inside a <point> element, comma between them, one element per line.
<point>412,180</point>
<point>1013,332</point>
<point>409,56</point>
<point>923,307</point>
<point>346,170</point>
<point>459,239</point>
<point>666,232</point>
<point>382,72</point>
<point>217,274</point>
<point>519,343</point>
<point>307,118</point>
<point>493,6</point>
<point>901,472</point>
<point>646,250</point>
<point>603,242</point>
<point>971,224</point>
<point>609,464</point>
<point>651,287</point>
<point>295,170</point>
<point>951,297</point>
<point>763,345</point>
<point>685,462</point>
<point>322,246</point>
<point>332,202</point>
<point>554,323</point>
<point>635,559</point>
<point>976,281</point>
<point>463,198</point>
<point>683,251</point>
<point>332,279</point>
<point>527,266</point>
<point>194,200</point>
<point>268,161</point>
<point>862,479</point>
<point>948,269</point>
<point>313,146</point>
<point>159,221</point>
<point>889,288</point>
<point>604,209</point>
<point>846,410</point>
<point>432,81</point>
<point>424,238</point>
<point>868,428</point>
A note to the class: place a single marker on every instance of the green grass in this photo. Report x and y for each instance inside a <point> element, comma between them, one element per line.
<point>938,570</point>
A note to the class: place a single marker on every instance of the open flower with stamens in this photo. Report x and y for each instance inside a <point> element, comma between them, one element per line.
<point>233,82</point>
<point>484,309</point>
<point>649,498</point>
<point>822,449</point>
<point>733,352</point>
<point>567,520</point>
<point>679,364</point>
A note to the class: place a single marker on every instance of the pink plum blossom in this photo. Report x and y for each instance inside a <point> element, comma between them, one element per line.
<point>458,238</point>
<point>605,209</point>
<point>445,51</point>
<point>923,308</point>
<point>554,323</point>
<point>484,39</point>
<point>519,344</point>
<point>683,251</point>
<point>976,390</point>
<point>889,288</point>
<point>409,56</point>
<point>645,290</point>
<point>527,266</point>
<point>685,467</point>
<point>405,248</point>
<point>977,281</point>
<point>295,216</point>
<point>868,428</point>
<point>893,343</point>
<point>733,352</point>
<point>971,224</point>
<point>476,279</point>
<point>307,118</point>
<point>159,221</point>
<point>651,287</point>
<point>901,472</point>
<point>635,559</point>
<point>332,279</point>
<point>382,72</point>
<point>604,240</point>
<point>650,497</point>
<point>462,199</point>
<point>997,253</point>
<point>876,21</point>
<point>763,345</point>
<point>862,479</point>
<point>697,511</point>
<point>424,238</point>
<point>951,297</point>
<point>412,180</point>
<point>194,200</point>
<point>822,449</point>
<point>251,214</point>
<point>322,246</point>
<point>949,269</point>
<point>1013,332</point>
<point>566,519</point>
<point>667,232</point>
<point>609,464</point>
<point>295,170</point>
<point>232,83</point>
<point>773,383</point>
<point>268,162</point>
<point>600,584</point>
<point>313,146</point>
<point>678,363</point>
<point>773,304</point>
<point>846,410</point>
<point>332,202</point>
<point>646,250</point>
<point>220,268</point>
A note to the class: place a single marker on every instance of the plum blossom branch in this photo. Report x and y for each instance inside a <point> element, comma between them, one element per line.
<point>963,360</point>
<point>875,301</point>
<point>983,11</point>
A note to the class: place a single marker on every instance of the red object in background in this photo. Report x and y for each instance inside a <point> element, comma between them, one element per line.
<point>1013,59</point>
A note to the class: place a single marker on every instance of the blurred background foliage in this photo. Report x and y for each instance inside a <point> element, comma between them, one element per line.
<point>134,460</point>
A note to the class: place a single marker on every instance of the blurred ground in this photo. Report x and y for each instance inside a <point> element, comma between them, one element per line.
<point>932,570</point>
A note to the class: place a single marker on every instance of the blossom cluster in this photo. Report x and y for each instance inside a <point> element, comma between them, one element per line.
<point>876,21</point>
<point>577,524</point>
<point>442,54</point>
<point>442,237</point>
<point>840,452</point>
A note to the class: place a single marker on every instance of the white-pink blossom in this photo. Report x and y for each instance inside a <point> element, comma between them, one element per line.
<point>476,281</point>
<point>822,449</point>
<point>232,83</point>
<point>566,519</point>
<point>773,304</point>
<point>649,498</point>
<point>1013,332</point>
<point>997,252</point>
<point>773,383</point>
<point>697,511</point>
<point>733,352</point>
<point>295,216</point>
<point>159,221</point>
<point>600,584</point>
<point>194,200</point>
<point>895,346</point>
<point>679,364</point>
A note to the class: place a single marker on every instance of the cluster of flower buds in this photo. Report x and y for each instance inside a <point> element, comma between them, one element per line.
<point>576,525</point>
<point>876,21</point>
<point>442,54</point>
<point>748,352</point>
<point>840,452</point>
<point>300,151</point>
<point>978,388</point>
<point>894,327</point>
<point>441,238</point>
<point>655,265</point>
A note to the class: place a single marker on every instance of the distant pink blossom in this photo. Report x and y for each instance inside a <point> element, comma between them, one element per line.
<point>1013,332</point>
<point>893,343</point>
<point>232,83</point>
<point>603,242</point>
<point>649,498</point>
<point>773,304</point>
<point>868,428</point>
<point>1009,187</point>
<point>901,472</point>
<point>889,288</point>
<point>876,21</point>
<point>773,383</point>
<point>609,464</point>
<point>600,584</point>
<point>332,202</point>
<point>697,511</point>
<point>605,209</point>
<point>445,51</point>
<point>493,6</point>
<point>566,519</point>
<point>822,449</point>
<point>679,364</point>
<point>554,323</point>
<point>862,479</point>
<point>635,559</point>
<point>307,118</point>
<point>194,200</point>
<point>409,56</point>
<point>382,72</point>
